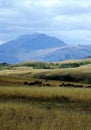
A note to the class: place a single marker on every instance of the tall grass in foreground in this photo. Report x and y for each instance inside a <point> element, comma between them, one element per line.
<point>76,94</point>
<point>29,117</point>
<point>24,108</point>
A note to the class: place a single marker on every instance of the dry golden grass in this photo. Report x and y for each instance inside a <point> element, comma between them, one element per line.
<point>41,114</point>
<point>21,71</point>
<point>80,73</point>
<point>85,69</point>
<point>43,93</point>
<point>32,117</point>
<point>24,107</point>
<point>15,70</point>
<point>25,70</point>
<point>83,72</point>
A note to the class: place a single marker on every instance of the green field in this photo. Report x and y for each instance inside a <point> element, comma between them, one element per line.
<point>45,96</point>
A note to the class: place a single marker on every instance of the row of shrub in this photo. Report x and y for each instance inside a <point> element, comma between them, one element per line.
<point>40,84</point>
<point>36,83</point>
<point>4,64</point>
<point>44,65</point>
<point>73,65</point>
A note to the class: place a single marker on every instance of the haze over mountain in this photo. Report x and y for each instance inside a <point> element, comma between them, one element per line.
<point>40,47</point>
<point>26,47</point>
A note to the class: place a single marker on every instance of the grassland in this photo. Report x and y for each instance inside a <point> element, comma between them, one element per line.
<point>49,105</point>
<point>33,117</point>
<point>77,70</point>
<point>45,108</point>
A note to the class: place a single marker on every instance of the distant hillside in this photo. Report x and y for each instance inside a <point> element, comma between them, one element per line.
<point>68,52</point>
<point>41,47</point>
<point>87,57</point>
<point>71,70</point>
<point>54,65</point>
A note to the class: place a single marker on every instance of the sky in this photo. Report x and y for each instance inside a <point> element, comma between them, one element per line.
<point>69,20</point>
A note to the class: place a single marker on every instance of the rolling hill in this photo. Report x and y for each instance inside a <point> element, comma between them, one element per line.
<point>75,71</point>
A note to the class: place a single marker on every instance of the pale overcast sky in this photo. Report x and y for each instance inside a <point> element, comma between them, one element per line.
<point>69,20</point>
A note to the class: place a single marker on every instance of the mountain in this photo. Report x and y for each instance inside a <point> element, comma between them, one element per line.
<point>68,52</point>
<point>28,47</point>
<point>41,47</point>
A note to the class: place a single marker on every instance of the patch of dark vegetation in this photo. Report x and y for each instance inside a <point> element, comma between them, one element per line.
<point>37,83</point>
<point>87,80</point>
<point>25,83</point>
<point>88,86</point>
<point>40,65</point>
<point>79,86</point>
<point>4,65</point>
<point>40,84</point>
<point>67,77</point>
<point>70,85</point>
<point>73,65</point>
<point>48,84</point>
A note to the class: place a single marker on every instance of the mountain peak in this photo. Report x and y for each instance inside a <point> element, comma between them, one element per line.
<point>33,35</point>
<point>26,45</point>
<point>41,47</point>
<point>38,41</point>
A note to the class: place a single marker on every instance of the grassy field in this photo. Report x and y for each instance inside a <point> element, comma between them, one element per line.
<point>46,93</point>
<point>46,108</point>
<point>53,98</point>
<point>80,74</point>
<point>33,117</point>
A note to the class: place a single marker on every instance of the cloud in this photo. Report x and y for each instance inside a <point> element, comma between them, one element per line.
<point>48,16</point>
<point>77,36</point>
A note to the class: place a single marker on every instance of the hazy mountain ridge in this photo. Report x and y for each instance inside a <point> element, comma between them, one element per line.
<point>41,47</point>
<point>69,52</point>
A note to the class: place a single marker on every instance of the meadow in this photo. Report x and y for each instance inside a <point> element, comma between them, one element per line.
<point>46,108</point>
<point>29,101</point>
